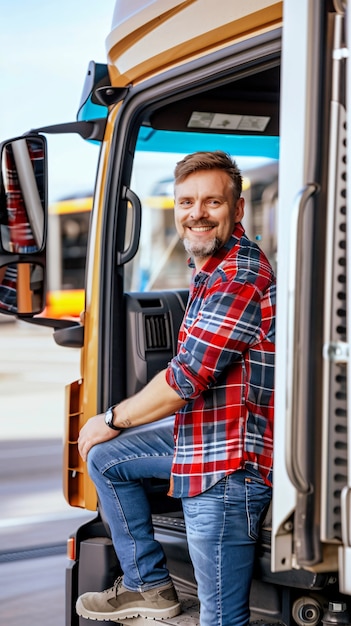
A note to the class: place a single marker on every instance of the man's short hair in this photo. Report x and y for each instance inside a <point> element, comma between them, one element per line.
<point>199,161</point>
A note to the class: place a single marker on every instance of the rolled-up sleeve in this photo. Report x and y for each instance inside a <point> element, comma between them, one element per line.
<point>225,325</point>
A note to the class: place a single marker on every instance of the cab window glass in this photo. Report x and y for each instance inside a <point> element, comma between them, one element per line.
<point>161,262</point>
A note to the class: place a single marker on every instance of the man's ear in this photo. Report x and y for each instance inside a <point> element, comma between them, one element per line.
<point>239,210</point>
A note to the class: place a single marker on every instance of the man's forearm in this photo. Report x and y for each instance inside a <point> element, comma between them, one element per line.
<point>155,401</point>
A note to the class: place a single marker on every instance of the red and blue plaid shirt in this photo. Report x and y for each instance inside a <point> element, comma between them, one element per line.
<point>225,369</point>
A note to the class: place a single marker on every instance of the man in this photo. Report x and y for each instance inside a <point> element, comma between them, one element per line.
<point>220,386</point>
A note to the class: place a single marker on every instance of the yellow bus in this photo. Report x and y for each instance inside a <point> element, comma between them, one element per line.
<point>68,232</point>
<point>267,82</point>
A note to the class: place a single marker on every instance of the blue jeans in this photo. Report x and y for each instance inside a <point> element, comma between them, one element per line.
<point>222,523</point>
<point>116,467</point>
<point>222,526</point>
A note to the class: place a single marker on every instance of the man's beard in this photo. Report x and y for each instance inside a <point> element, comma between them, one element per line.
<point>202,250</point>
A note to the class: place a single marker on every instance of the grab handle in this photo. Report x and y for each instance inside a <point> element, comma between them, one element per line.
<point>295,472</point>
<point>131,250</point>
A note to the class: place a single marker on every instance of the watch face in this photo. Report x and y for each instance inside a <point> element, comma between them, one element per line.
<point>108,417</point>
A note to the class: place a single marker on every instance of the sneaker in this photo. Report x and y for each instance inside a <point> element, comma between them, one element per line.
<point>120,603</point>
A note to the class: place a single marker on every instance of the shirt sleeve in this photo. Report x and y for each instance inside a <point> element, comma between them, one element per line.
<point>227,323</point>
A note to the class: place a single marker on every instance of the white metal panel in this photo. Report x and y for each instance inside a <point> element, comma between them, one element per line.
<point>129,16</point>
<point>193,20</point>
<point>293,132</point>
<point>345,549</point>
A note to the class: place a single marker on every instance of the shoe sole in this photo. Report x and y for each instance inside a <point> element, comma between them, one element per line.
<point>115,616</point>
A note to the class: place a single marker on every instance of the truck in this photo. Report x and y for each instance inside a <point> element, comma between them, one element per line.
<point>268,82</point>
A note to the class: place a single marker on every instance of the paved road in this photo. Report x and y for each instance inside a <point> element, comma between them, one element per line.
<point>33,512</point>
<point>33,374</point>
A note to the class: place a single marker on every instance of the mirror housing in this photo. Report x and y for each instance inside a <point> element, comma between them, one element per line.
<point>23,229</point>
<point>23,225</point>
<point>90,108</point>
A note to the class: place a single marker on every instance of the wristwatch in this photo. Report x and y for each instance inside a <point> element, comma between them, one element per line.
<point>109,418</point>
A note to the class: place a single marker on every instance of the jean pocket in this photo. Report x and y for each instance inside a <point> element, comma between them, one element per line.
<point>258,496</point>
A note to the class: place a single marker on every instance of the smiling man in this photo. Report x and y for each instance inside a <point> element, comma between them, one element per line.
<point>207,206</point>
<point>218,450</point>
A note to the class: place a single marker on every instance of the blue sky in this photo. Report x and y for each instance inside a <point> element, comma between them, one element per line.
<point>45,48</point>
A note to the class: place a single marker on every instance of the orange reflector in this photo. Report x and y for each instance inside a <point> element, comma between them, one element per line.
<point>71,548</point>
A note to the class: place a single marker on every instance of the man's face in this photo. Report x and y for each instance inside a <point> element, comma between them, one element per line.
<point>205,213</point>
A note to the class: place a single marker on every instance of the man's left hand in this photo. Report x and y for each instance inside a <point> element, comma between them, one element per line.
<point>94,431</point>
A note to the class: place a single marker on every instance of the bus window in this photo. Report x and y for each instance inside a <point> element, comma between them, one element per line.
<point>68,236</point>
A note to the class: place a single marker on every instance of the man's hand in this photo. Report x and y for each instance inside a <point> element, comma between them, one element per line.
<point>94,431</point>
<point>155,401</point>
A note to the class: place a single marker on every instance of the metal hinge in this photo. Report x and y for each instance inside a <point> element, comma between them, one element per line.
<point>336,352</point>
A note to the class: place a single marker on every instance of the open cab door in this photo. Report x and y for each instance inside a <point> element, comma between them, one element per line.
<point>310,514</point>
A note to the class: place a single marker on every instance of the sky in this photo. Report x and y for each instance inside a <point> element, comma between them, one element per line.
<point>45,49</point>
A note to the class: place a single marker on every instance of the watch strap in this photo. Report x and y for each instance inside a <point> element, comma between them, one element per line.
<point>109,418</point>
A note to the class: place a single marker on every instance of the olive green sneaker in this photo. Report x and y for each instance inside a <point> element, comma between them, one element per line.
<point>120,603</point>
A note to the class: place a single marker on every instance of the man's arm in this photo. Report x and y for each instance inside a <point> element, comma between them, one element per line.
<point>155,401</point>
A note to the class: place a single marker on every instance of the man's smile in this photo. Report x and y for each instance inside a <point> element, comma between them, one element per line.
<point>200,229</point>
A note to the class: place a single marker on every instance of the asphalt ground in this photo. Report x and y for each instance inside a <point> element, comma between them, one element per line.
<point>33,373</point>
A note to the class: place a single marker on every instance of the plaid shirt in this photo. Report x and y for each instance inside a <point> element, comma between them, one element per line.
<point>8,291</point>
<point>225,368</point>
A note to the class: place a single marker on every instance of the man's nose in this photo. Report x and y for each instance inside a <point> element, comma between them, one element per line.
<point>198,210</point>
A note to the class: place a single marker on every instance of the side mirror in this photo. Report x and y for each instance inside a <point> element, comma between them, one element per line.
<point>23,194</point>
<point>22,288</point>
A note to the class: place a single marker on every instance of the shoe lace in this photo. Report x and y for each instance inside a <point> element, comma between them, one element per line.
<point>117,584</point>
